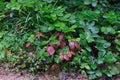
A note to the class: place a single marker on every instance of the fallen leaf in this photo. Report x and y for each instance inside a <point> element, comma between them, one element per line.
<point>38,34</point>
<point>6,50</point>
<point>77,45</point>
<point>54,67</point>
<point>56,34</point>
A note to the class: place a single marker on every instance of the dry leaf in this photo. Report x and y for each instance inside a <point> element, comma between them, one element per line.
<point>6,50</point>
<point>38,34</point>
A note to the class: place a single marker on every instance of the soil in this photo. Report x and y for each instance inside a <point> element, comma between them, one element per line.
<point>23,75</point>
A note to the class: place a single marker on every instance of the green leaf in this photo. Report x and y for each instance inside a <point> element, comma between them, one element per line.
<point>118,47</point>
<point>60,24</point>
<point>53,16</point>
<point>89,37</point>
<point>87,2</point>
<point>117,42</point>
<point>98,73</point>
<point>1,34</point>
<point>106,44</point>
<point>100,60</point>
<point>107,30</point>
<point>85,65</point>
<point>94,3</point>
<point>31,38</point>
<point>53,40</point>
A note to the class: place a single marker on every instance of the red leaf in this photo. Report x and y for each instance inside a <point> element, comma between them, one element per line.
<point>77,45</point>
<point>72,53</point>
<point>66,58</point>
<point>72,45</point>
<point>61,56</point>
<point>61,37</point>
<point>27,44</point>
<point>55,46</point>
<point>50,50</point>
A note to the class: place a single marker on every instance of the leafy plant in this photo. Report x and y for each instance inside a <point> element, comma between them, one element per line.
<point>80,33</point>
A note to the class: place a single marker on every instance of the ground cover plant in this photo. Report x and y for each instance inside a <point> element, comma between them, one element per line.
<point>76,35</point>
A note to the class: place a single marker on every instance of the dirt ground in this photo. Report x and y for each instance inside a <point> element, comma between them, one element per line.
<point>8,75</point>
<point>22,75</point>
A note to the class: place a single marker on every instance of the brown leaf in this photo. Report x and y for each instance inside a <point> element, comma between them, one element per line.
<point>6,50</point>
<point>56,34</point>
<point>69,54</point>
<point>20,53</point>
<point>54,67</point>
<point>34,55</point>
<point>38,34</point>
<point>62,44</point>
<point>50,50</point>
<point>77,45</point>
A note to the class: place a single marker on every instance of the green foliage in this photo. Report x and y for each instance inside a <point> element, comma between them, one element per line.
<point>28,28</point>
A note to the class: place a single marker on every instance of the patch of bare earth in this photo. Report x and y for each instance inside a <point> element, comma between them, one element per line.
<point>22,75</point>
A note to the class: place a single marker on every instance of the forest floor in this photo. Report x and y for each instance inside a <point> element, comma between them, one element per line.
<point>23,75</point>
